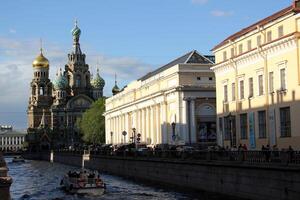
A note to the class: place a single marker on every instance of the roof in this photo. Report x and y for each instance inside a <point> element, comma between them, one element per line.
<point>191,57</point>
<point>11,133</point>
<point>281,13</point>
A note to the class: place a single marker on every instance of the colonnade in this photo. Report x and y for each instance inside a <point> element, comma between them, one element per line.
<point>149,121</point>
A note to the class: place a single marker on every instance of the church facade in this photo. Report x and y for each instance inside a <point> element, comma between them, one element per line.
<point>56,106</point>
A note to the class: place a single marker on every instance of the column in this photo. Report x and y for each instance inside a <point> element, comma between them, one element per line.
<point>185,126</point>
<point>192,121</point>
<point>152,125</point>
<point>164,130</point>
<point>147,125</point>
<point>158,125</point>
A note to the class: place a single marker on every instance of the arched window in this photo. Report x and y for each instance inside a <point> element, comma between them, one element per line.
<point>42,90</point>
<point>78,80</point>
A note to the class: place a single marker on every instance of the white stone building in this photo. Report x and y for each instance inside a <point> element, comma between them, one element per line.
<point>11,140</point>
<point>181,93</point>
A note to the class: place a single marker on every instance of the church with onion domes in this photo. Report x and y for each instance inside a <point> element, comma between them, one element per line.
<point>55,106</point>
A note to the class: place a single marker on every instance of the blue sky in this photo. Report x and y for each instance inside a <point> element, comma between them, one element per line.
<point>128,37</point>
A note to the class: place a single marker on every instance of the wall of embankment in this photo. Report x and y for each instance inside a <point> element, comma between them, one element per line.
<point>234,179</point>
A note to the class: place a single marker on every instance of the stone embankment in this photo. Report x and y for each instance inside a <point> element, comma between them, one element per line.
<point>5,180</point>
<point>241,180</point>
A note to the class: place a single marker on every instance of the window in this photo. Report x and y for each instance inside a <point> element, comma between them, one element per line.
<point>285,122</point>
<point>199,78</point>
<point>271,82</point>
<point>250,87</point>
<point>78,80</point>
<point>233,91</point>
<point>224,55</point>
<point>243,126</point>
<point>227,128</point>
<point>282,79</point>
<point>242,96</point>
<point>269,36</point>
<point>232,52</point>
<point>258,40</point>
<point>280,31</point>
<point>249,45</point>
<point>240,48</point>
<point>260,85</point>
<point>225,93</point>
<point>262,128</point>
<point>220,124</point>
<point>210,78</point>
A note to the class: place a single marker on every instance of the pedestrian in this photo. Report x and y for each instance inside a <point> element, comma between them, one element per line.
<point>291,153</point>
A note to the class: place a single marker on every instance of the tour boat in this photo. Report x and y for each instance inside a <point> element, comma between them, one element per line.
<point>83,182</point>
<point>18,159</point>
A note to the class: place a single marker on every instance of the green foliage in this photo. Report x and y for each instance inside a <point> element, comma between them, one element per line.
<point>92,123</point>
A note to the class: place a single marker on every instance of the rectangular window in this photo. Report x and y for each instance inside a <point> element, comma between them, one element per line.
<point>232,52</point>
<point>233,91</point>
<point>282,79</point>
<point>269,36</point>
<point>243,126</point>
<point>242,96</point>
<point>285,122</point>
<point>271,82</point>
<point>225,93</point>
<point>260,85</point>
<point>227,128</point>
<point>221,124</point>
<point>280,31</point>
<point>224,55</point>
<point>262,125</point>
<point>210,78</point>
<point>258,40</point>
<point>249,46</point>
<point>250,87</point>
<point>240,48</point>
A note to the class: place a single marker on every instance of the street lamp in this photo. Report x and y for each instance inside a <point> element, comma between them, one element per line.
<point>134,136</point>
<point>173,130</point>
<point>111,137</point>
<point>124,133</point>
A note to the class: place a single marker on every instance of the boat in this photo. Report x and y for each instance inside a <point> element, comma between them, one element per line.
<point>17,159</point>
<point>83,182</point>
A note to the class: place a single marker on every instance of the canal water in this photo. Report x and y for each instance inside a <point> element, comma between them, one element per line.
<point>39,180</point>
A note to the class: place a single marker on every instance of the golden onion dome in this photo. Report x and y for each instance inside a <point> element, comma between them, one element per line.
<point>40,61</point>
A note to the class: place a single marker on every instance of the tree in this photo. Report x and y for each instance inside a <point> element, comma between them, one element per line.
<point>92,123</point>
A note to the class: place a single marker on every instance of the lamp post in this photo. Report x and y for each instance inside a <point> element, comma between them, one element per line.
<point>134,136</point>
<point>124,133</point>
<point>111,137</point>
<point>173,131</point>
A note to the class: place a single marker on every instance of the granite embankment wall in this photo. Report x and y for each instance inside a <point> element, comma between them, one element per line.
<point>239,180</point>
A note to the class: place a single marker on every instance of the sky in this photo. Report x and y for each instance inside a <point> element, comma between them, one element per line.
<point>127,37</point>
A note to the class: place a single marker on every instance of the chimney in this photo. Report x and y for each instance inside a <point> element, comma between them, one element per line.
<point>296,5</point>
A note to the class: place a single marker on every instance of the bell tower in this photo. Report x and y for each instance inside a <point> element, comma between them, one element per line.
<point>77,71</point>
<point>40,92</point>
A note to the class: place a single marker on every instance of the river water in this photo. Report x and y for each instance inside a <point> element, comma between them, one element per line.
<point>39,180</point>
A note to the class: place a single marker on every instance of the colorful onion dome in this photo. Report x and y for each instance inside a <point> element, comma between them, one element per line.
<point>98,82</point>
<point>76,31</point>
<point>60,83</point>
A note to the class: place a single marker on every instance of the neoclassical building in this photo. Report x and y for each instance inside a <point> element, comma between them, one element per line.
<point>170,105</point>
<point>11,140</point>
<point>258,83</point>
<point>57,105</point>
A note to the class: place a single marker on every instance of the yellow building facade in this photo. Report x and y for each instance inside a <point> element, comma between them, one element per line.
<point>258,83</point>
<point>167,106</point>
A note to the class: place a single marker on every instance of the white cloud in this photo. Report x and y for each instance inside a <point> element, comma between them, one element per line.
<point>13,31</point>
<point>199,1</point>
<point>16,72</point>
<point>221,13</point>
